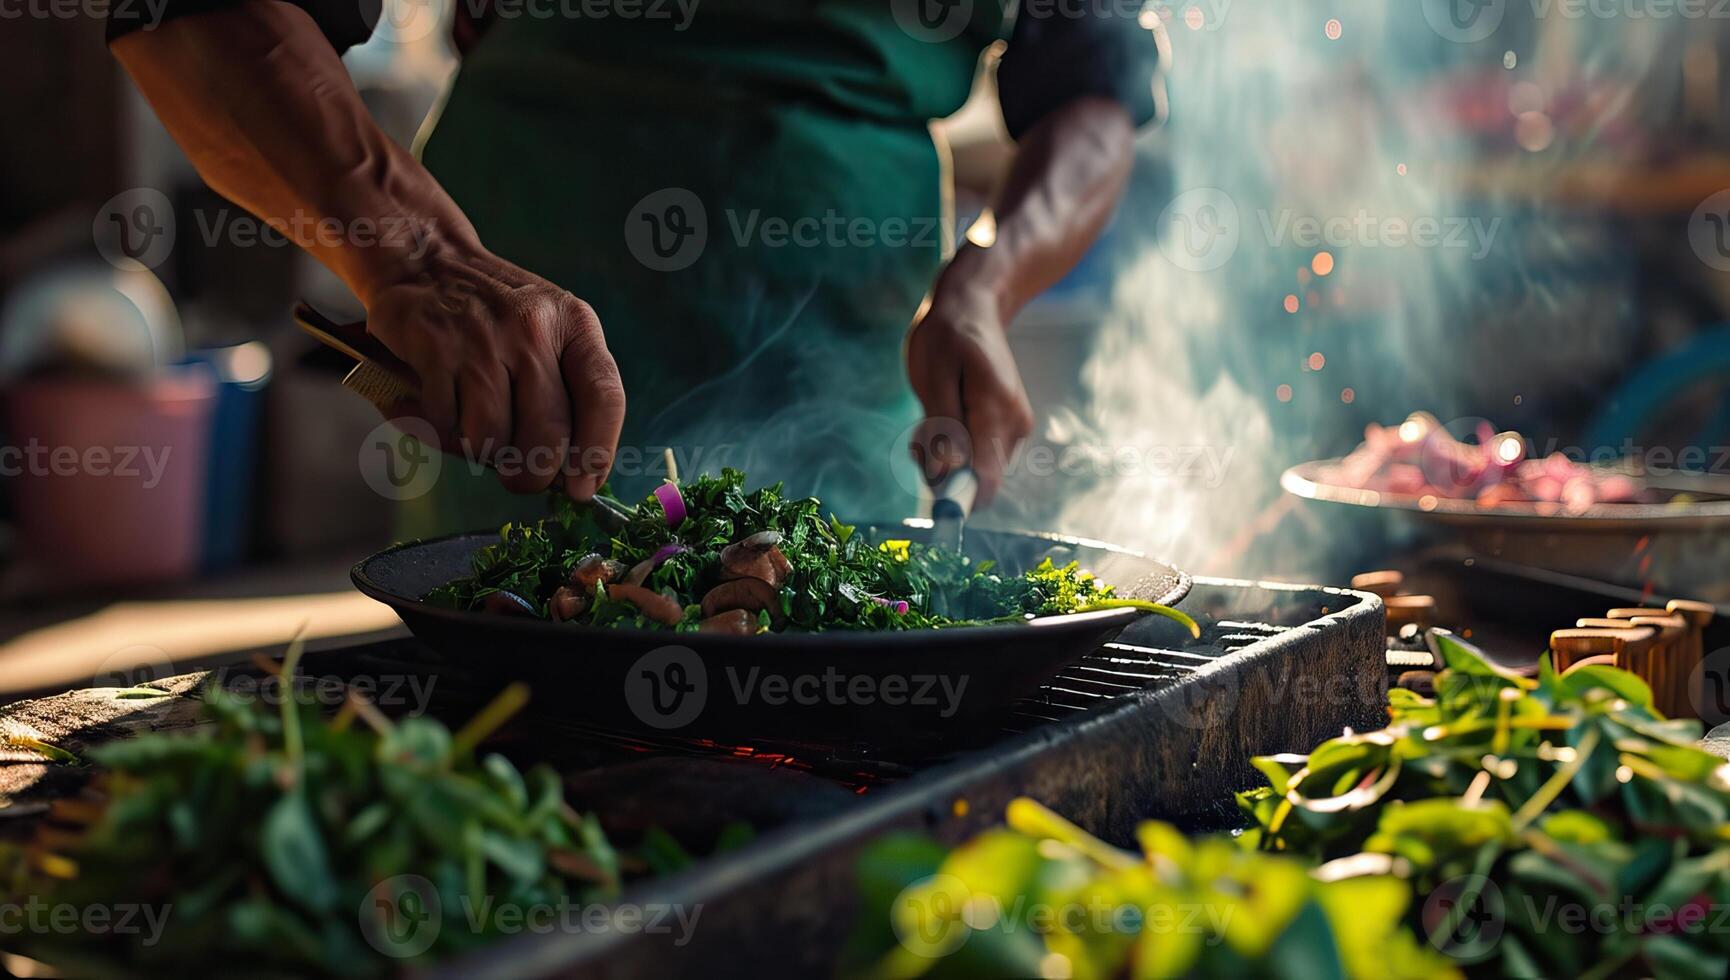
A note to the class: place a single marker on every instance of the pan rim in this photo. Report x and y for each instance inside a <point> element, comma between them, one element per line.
<point>360,576</point>
<point>1302,481</point>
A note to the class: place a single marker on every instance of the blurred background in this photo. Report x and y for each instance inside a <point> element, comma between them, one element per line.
<point>1517,211</point>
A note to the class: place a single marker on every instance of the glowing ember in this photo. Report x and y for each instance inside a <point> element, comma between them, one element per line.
<point>1283,393</point>
<point>1333,29</point>
<point>1291,303</point>
<point>1323,263</point>
<point>1316,361</point>
<point>1347,395</point>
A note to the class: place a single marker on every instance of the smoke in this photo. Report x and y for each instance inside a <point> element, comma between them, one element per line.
<point>1318,239</point>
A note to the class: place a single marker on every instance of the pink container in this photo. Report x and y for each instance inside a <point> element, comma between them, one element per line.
<point>109,477</point>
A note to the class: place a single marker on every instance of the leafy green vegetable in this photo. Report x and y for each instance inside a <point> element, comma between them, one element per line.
<point>1507,827</point>
<point>837,576</point>
<point>1041,897</point>
<point>279,842</point>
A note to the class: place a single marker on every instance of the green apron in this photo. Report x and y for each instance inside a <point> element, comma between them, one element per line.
<point>753,205</point>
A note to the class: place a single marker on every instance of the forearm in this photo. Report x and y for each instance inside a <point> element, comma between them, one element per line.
<point>263,107</point>
<point>1068,176</point>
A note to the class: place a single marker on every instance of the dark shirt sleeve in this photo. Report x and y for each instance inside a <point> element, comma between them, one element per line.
<point>1059,52</point>
<point>345,23</point>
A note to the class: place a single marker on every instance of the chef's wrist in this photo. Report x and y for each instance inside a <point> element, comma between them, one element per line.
<point>976,280</point>
<point>414,249</point>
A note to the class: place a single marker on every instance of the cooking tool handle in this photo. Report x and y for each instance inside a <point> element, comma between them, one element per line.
<point>353,340</point>
<point>953,496</point>
<point>951,503</point>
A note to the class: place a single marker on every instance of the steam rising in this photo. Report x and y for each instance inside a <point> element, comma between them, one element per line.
<point>1356,128</point>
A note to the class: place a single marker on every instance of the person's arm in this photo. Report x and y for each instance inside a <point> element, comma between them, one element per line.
<point>1073,92</point>
<point>259,100</point>
<point>1065,182</point>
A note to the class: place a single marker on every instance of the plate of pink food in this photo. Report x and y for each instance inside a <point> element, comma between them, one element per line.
<point>1487,476</point>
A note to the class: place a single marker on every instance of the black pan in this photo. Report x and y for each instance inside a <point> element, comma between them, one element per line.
<point>806,684</point>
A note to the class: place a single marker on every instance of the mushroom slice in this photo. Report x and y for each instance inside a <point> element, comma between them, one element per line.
<point>752,595</point>
<point>592,568</point>
<point>654,605</point>
<point>508,604</point>
<point>567,604</point>
<point>758,556</point>
<point>639,572</point>
<point>736,622</point>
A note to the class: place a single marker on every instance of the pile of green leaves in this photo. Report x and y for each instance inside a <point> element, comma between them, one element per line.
<point>837,574</point>
<point>1528,804</point>
<point>266,838</point>
<point>1508,827</point>
<point>1041,897</point>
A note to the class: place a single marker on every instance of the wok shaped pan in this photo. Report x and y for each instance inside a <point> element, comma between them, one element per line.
<point>839,683</point>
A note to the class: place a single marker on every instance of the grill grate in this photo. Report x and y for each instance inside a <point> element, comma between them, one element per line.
<point>1115,671</point>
